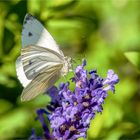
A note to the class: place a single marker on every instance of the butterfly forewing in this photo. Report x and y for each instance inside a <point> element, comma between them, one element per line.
<point>34,33</point>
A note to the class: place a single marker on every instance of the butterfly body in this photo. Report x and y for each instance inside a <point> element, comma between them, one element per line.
<point>41,62</point>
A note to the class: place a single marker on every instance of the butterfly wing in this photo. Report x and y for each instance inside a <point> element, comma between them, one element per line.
<point>43,66</point>
<point>37,60</point>
<point>20,73</point>
<point>41,59</point>
<point>34,33</point>
<point>40,84</point>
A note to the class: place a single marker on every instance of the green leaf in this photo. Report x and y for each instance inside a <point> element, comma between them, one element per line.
<point>5,106</point>
<point>61,5</point>
<point>20,8</point>
<point>8,41</point>
<point>134,134</point>
<point>134,58</point>
<point>13,122</point>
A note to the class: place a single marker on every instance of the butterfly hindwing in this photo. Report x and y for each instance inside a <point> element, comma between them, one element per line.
<point>40,84</point>
<point>37,60</point>
<point>20,72</point>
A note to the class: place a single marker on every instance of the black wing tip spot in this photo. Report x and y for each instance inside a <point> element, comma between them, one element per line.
<point>30,34</point>
<point>28,17</point>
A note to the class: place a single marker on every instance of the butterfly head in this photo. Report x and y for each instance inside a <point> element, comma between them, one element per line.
<point>67,66</point>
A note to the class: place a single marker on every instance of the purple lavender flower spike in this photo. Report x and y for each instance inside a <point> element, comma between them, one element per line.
<point>53,93</point>
<point>84,63</point>
<point>33,135</point>
<point>71,111</point>
<point>40,113</point>
<point>112,78</point>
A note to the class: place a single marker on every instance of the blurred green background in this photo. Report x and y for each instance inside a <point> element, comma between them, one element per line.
<point>105,32</point>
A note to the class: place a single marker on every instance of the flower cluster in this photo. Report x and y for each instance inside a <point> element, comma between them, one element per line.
<point>70,112</point>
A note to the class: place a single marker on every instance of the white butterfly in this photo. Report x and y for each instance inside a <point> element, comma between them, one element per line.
<point>41,62</point>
